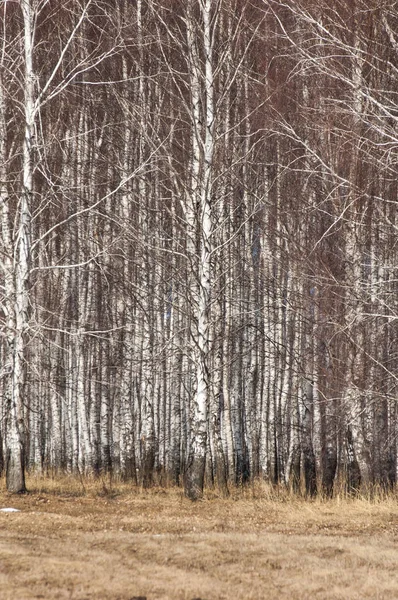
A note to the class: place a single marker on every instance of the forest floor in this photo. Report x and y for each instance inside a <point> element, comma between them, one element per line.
<point>112,542</point>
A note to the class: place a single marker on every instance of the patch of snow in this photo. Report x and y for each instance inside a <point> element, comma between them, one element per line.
<point>9,510</point>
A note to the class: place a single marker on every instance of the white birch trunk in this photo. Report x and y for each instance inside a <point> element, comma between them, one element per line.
<point>21,272</point>
<point>202,190</point>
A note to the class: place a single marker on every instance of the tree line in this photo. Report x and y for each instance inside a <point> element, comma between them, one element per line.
<point>198,250</point>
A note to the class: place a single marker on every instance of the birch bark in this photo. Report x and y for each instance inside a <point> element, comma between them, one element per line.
<point>202,190</point>
<point>19,276</point>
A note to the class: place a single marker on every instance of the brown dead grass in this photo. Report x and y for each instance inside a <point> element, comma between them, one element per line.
<point>98,540</point>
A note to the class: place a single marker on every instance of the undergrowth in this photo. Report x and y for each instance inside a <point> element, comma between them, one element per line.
<point>111,486</point>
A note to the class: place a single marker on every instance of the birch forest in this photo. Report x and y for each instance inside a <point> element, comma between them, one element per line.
<point>198,249</point>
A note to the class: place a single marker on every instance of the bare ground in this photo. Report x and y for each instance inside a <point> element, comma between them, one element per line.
<point>107,543</point>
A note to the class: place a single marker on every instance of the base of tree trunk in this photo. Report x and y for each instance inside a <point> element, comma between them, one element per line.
<point>15,473</point>
<point>195,477</point>
<point>310,472</point>
<point>353,469</point>
<point>220,479</point>
<point>329,470</point>
<point>147,461</point>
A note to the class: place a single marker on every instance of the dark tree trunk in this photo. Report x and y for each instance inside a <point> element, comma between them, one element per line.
<point>194,477</point>
<point>329,466</point>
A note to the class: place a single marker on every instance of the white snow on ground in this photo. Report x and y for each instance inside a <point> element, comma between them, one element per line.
<point>9,510</point>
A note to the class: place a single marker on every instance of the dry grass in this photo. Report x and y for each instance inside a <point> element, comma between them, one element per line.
<point>106,541</point>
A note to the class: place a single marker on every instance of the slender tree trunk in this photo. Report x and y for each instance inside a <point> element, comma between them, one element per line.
<point>197,455</point>
<point>15,467</point>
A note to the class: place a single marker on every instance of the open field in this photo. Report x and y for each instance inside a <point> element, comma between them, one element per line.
<point>104,543</point>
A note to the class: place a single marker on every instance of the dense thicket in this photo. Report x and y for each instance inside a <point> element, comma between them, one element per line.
<point>198,240</point>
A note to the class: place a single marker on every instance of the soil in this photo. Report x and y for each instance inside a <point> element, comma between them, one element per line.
<point>121,544</point>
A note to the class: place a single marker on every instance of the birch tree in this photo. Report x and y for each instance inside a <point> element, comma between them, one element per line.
<point>16,265</point>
